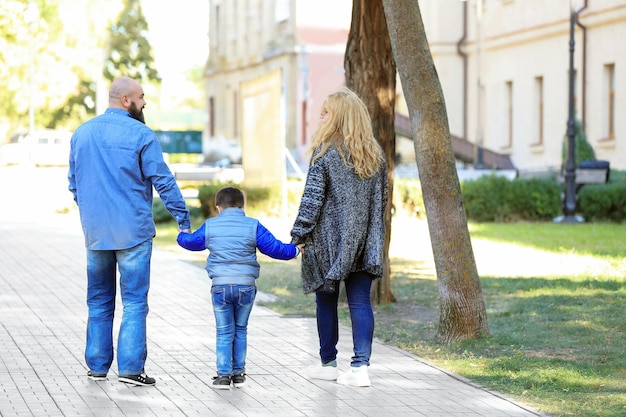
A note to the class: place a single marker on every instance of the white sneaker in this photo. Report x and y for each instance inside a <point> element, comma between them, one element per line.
<point>355,377</point>
<point>319,371</point>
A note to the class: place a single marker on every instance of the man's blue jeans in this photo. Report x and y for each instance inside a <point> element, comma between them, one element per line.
<point>134,268</point>
<point>358,288</point>
<point>232,305</point>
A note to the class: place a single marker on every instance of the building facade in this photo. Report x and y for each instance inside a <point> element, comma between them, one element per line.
<point>303,40</point>
<point>504,67</point>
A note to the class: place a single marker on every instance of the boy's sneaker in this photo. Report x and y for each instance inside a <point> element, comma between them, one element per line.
<point>238,380</point>
<point>96,377</point>
<point>139,380</point>
<point>355,377</point>
<point>221,382</point>
<point>326,372</point>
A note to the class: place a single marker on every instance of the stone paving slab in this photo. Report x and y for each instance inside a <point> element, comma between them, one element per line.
<point>42,333</point>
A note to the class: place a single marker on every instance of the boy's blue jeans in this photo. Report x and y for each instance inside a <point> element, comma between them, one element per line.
<point>232,305</point>
<point>358,287</point>
<point>134,268</point>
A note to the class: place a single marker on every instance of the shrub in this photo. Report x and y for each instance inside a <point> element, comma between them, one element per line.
<point>493,198</point>
<point>206,197</point>
<point>535,199</point>
<point>258,200</point>
<point>584,150</point>
<point>408,193</point>
<point>159,212</point>
<point>161,215</point>
<point>487,199</point>
<point>603,202</point>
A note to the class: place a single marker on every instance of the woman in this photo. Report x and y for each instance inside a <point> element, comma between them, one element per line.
<point>340,227</point>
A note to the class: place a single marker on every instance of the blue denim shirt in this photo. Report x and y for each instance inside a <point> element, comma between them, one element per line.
<point>115,161</point>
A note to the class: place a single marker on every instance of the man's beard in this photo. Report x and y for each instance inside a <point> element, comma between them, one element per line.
<point>136,113</point>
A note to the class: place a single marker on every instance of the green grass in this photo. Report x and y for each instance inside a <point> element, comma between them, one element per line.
<point>595,239</point>
<point>557,343</point>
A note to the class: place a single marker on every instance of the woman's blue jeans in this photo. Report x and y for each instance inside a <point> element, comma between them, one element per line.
<point>232,305</point>
<point>134,269</point>
<point>358,288</point>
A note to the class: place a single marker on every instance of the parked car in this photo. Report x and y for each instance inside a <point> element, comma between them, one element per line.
<point>44,148</point>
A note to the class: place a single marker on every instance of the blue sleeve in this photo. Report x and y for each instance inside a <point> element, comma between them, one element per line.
<point>71,175</point>
<point>195,241</point>
<point>272,247</point>
<point>154,167</point>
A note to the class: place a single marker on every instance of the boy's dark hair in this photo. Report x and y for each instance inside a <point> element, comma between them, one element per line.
<point>229,197</point>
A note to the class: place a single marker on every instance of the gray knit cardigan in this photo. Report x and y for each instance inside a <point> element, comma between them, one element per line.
<point>341,223</point>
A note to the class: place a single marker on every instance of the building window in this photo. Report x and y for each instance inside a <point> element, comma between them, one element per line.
<point>304,122</point>
<point>281,11</point>
<point>509,114</point>
<point>538,112</point>
<point>211,117</point>
<point>217,28</point>
<point>609,102</point>
<point>235,114</point>
<point>234,27</point>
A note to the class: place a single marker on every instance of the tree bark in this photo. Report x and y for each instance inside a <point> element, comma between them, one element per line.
<point>371,73</point>
<point>462,308</point>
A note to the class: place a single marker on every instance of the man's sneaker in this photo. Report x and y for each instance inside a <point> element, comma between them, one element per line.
<point>221,382</point>
<point>140,380</point>
<point>355,377</point>
<point>96,377</point>
<point>327,372</point>
<point>238,380</point>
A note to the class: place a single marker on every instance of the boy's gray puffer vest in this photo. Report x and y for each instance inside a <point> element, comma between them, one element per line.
<point>231,241</point>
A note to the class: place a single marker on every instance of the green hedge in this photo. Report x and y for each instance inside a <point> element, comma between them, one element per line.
<point>490,198</point>
<point>493,198</point>
<point>266,200</point>
<point>408,194</point>
<point>603,202</point>
<point>161,215</point>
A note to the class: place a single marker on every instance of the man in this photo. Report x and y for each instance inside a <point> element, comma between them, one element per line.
<point>115,160</point>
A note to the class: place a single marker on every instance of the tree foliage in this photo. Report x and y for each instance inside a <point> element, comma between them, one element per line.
<point>27,29</point>
<point>130,53</point>
<point>80,104</point>
<point>584,150</point>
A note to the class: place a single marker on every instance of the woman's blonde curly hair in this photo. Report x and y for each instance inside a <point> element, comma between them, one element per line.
<point>349,128</point>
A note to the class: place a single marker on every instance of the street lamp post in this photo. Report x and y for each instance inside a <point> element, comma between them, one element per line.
<point>569,203</point>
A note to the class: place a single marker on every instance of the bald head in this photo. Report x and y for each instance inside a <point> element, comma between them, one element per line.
<point>127,94</point>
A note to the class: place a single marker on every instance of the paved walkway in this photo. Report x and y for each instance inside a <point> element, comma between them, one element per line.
<point>42,332</point>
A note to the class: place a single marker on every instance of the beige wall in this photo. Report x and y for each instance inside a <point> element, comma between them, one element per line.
<point>517,60</point>
<point>514,45</point>
<point>249,39</point>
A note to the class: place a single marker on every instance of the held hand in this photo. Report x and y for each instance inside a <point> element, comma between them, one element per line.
<point>184,230</point>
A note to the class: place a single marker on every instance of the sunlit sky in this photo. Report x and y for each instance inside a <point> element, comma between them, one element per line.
<point>178,33</point>
<point>179,36</point>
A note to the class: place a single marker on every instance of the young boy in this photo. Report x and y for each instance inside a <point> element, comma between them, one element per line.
<point>232,239</point>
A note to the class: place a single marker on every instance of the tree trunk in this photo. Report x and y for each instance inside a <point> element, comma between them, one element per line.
<point>462,307</point>
<point>371,73</point>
